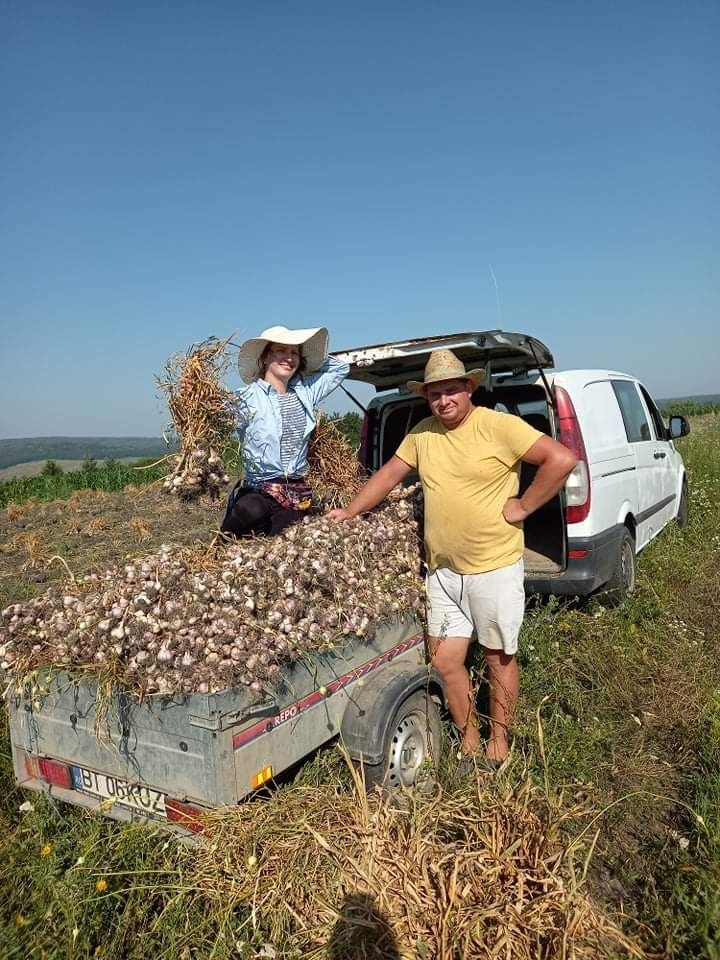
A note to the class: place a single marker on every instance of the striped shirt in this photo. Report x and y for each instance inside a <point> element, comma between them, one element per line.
<point>293,427</point>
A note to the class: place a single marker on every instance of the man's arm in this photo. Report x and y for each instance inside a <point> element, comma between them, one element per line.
<point>554,463</point>
<point>376,489</point>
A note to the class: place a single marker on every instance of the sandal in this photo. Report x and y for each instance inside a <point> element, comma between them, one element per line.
<point>472,763</point>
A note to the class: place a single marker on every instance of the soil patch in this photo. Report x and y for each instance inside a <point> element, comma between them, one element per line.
<point>40,542</point>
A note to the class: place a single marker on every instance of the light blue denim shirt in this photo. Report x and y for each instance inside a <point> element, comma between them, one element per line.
<point>260,422</point>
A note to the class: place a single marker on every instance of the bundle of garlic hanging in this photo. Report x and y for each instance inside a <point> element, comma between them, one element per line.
<point>203,415</point>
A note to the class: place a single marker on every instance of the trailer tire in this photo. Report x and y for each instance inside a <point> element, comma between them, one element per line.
<point>412,745</point>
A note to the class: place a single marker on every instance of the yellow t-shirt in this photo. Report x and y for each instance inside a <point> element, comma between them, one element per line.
<point>467,475</point>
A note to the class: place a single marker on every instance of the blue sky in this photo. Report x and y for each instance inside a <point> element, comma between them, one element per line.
<point>174,170</point>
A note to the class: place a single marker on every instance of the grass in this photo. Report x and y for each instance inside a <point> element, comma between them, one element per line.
<point>631,719</point>
<point>76,886</point>
<point>620,716</point>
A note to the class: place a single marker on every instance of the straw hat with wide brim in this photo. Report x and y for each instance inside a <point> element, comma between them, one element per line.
<point>444,365</point>
<point>313,340</point>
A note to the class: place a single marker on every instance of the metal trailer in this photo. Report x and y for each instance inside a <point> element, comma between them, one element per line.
<point>171,759</point>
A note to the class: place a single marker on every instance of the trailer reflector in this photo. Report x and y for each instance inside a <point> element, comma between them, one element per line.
<point>57,773</point>
<point>52,771</point>
<point>185,814</point>
<point>262,777</point>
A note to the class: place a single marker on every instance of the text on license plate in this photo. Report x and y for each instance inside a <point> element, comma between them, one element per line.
<point>134,795</point>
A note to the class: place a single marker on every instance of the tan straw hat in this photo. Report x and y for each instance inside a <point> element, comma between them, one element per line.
<point>313,340</point>
<point>444,365</point>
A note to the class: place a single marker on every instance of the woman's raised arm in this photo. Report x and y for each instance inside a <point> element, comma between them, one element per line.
<point>322,383</point>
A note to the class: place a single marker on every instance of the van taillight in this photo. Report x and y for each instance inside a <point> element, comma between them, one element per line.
<point>54,772</point>
<point>185,814</point>
<point>577,485</point>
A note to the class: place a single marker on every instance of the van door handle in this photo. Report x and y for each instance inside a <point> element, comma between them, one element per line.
<point>659,455</point>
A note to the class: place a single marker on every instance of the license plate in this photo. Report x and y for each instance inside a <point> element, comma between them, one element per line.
<point>112,789</point>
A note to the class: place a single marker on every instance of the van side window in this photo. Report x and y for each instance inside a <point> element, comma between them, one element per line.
<point>637,427</point>
<point>656,416</point>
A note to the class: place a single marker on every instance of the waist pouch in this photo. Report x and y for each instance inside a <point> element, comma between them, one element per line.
<point>291,494</point>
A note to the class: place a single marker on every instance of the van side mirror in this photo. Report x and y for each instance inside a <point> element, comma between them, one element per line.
<point>679,427</point>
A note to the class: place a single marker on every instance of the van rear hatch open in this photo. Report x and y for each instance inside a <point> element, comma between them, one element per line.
<point>390,365</point>
<point>512,362</point>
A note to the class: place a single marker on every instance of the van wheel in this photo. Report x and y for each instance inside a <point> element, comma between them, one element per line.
<point>412,745</point>
<point>622,581</point>
<point>683,514</point>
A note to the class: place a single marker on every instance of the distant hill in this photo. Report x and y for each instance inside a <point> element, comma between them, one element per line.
<point>28,449</point>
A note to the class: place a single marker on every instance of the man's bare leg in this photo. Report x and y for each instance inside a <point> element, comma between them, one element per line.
<point>448,656</point>
<point>504,677</point>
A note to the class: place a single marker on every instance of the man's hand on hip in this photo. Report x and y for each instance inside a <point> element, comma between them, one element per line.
<point>514,511</point>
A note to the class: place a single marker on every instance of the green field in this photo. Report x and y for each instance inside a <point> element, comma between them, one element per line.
<point>54,483</point>
<point>35,468</point>
<point>614,780</point>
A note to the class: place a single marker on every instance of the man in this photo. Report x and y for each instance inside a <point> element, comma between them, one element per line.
<point>468,459</point>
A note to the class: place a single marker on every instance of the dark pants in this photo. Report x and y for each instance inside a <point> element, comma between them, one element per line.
<point>253,511</point>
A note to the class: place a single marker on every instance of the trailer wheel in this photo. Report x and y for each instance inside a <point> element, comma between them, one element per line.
<point>412,745</point>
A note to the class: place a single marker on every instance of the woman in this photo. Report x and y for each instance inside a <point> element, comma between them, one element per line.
<point>288,373</point>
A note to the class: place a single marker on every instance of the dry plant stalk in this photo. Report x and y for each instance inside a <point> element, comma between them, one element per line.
<point>96,525</point>
<point>14,511</point>
<point>335,472</point>
<point>139,528</point>
<point>478,873</point>
<point>88,497</point>
<point>34,547</point>
<point>204,414</point>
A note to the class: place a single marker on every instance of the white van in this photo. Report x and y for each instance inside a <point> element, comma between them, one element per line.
<point>629,482</point>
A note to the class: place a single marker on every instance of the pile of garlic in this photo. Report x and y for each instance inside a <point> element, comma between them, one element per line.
<point>166,625</point>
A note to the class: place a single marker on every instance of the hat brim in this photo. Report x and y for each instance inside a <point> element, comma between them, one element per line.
<point>476,377</point>
<point>313,340</point>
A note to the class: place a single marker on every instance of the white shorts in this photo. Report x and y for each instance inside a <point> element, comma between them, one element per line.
<point>491,604</point>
